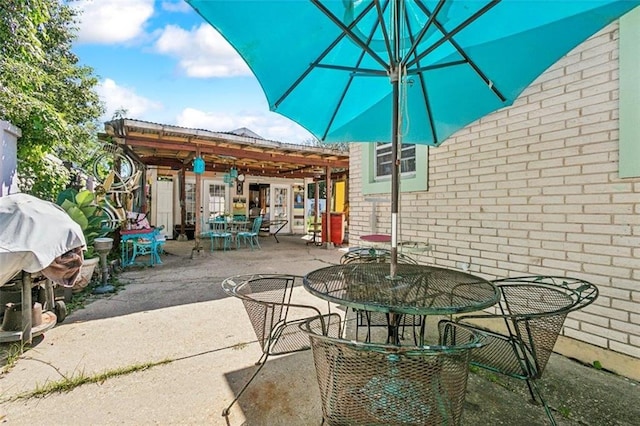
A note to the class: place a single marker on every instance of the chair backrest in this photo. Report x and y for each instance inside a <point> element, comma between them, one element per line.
<point>535,309</point>
<point>373,255</point>
<point>364,383</point>
<point>219,226</point>
<point>257,223</point>
<point>267,301</point>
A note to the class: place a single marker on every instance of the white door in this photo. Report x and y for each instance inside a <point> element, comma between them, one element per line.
<point>216,199</point>
<point>164,206</point>
<point>280,204</point>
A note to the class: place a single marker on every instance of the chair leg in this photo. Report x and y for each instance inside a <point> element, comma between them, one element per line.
<point>537,396</point>
<point>225,412</point>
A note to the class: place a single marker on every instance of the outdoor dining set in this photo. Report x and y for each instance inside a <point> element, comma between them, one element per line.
<point>236,231</point>
<point>397,350</point>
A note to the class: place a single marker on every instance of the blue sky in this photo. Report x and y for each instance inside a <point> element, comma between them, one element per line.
<point>161,62</point>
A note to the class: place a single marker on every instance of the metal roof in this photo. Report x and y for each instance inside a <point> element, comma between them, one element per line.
<point>175,147</point>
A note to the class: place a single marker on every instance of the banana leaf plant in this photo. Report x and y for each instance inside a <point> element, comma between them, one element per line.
<point>84,209</point>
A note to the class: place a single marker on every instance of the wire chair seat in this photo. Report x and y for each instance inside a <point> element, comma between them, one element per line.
<point>378,384</point>
<point>267,299</point>
<point>532,309</point>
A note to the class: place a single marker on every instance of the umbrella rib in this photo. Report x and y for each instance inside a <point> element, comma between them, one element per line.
<point>346,87</point>
<point>383,27</point>
<point>419,69</point>
<point>448,36</point>
<point>431,20</point>
<point>351,34</point>
<point>354,70</point>
<point>315,63</point>
<point>423,84</point>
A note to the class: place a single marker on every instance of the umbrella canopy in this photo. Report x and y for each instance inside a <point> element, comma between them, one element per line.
<point>400,71</point>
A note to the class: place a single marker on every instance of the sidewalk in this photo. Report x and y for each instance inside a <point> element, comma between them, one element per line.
<point>177,313</point>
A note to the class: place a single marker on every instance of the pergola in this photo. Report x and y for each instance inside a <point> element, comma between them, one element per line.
<point>175,148</point>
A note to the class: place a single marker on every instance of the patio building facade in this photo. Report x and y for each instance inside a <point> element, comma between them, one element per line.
<point>549,186</point>
<point>193,175</point>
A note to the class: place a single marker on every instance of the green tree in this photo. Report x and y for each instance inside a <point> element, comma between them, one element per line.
<point>45,91</point>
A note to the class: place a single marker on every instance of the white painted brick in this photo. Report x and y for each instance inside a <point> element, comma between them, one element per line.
<point>590,258</point>
<point>586,337</point>
<point>611,250</point>
<point>605,332</point>
<point>589,218</point>
<point>626,241</point>
<point>607,270</point>
<point>627,262</point>
<point>561,246</point>
<point>560,264</point>
<point>586,179</point>
<point>611,166</point>
<point>633,351</point>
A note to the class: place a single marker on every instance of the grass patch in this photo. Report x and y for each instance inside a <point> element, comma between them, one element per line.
<point>564,412</point>
<point>81,299</point>
<point>9,355</point>
<point>239,346</point>
<point>67,384</point>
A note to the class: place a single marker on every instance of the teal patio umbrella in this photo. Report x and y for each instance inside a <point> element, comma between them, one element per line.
<point>400,71</point>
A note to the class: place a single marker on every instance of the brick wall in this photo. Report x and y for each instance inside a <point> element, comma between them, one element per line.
<point>534,189</point>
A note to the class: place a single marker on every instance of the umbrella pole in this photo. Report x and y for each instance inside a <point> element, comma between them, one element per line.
<point>395,175</point>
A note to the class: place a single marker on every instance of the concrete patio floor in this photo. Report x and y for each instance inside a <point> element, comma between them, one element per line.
<point>176,313</point>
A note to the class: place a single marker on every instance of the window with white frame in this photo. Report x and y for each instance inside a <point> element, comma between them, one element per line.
<point>217,199</point>
<point>384,160</point>
<point>190,203</point>
<point>377,166</point>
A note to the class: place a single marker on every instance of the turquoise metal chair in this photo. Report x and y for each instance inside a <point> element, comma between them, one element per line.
<point>151,245</point>
<point>251,237</point>
<point>220,235</point>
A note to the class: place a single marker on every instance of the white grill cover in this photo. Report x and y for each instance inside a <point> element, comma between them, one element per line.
<point>33,233</point>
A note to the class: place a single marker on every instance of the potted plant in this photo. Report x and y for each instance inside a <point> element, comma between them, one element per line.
<point>84,209</point>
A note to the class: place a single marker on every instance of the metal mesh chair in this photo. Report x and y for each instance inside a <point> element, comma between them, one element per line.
<point>275,319</point>
<point>533,310</point>
<point>367,319</point>
<point>377,384</point>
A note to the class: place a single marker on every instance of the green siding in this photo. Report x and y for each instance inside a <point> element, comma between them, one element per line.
<point>419,182</point>
<point>629,149</point>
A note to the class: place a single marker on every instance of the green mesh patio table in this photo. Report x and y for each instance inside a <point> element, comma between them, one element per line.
<point>419,290</point>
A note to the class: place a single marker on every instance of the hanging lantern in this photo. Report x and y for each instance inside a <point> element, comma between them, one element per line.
<point>233,173</point>
<point>198,165</point>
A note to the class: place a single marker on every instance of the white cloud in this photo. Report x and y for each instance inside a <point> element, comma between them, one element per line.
<point>268,125</point>
<point>112,21</point>
<point>201,52</point>
<point>176,6</point>
<point>117,97</point>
